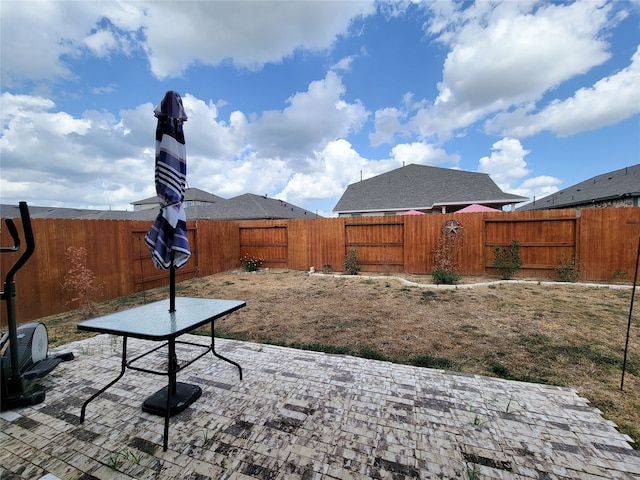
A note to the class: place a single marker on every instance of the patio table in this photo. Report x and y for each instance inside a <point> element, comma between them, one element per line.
<point>155,322</point>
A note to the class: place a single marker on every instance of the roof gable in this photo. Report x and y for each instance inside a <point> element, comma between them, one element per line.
<point>190,194</point>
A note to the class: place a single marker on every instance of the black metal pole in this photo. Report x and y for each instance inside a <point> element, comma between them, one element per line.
<point>633,295</point>
<point>172,286</point>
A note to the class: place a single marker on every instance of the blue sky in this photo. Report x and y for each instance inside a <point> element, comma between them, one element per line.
<point>296,100</point>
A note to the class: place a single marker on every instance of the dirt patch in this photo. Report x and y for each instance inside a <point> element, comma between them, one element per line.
<point>566,335</point>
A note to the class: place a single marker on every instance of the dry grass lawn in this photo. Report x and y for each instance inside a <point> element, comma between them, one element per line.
<point>567,335</point>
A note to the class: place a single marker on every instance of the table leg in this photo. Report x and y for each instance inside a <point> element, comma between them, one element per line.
<point>100,392</point>
<point>213,350</point>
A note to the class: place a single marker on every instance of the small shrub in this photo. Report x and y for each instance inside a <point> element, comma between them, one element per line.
<point>250,264</point>
<point>81,281</point>
<point>428,295</point>
<point>500,370</point>
<point>507,260</point>
<point>372,354</point>
<point>445,254</point>
<point>619,276</point>
<point>327,268</point>
<point>427,361</point>
<point>351,262</point>
<point>568,270</point>
<point>445,277</point>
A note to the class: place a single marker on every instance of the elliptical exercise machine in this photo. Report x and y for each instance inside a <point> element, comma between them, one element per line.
<point>26,356</point>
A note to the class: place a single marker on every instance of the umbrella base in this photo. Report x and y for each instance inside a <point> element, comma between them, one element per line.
<point>184,396</point>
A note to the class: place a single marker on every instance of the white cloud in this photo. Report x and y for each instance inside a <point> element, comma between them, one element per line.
<point>609,101</point>
<point>343,64</point>
<point>506,163</point>
<point>252,174</point>
<point>99,152</point>
<point>312,119</point>
<point>520,55</point>
<point>101,42</point>
<point>388,125</point>
<point>334,167</point>
<point>507,167</point>
<point>537,187</point>
<point>37,36</point>
<point>249,33</point>
<point>508,54</point>
<point>58,158</point>
<point>422,153</point>
<point>207,135</point>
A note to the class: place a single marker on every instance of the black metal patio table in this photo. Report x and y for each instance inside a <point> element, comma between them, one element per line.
<point>155,322</point>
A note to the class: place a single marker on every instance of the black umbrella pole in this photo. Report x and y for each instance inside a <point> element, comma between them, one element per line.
<point>633,294</point>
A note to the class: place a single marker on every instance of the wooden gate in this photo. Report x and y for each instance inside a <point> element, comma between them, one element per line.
<point>544,243</point>
<point>380,247</point>
<point>268,243</point>
<point>146,275</point>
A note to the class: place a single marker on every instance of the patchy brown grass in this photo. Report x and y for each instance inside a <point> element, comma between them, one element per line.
<point>566,335</point>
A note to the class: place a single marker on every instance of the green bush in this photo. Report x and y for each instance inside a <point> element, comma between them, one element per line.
<point>250,264</point>
<point>507,260</point>
<point>568,270</point>
<point>427,361</point>
<point>351,262</point>
<point>445,277</point>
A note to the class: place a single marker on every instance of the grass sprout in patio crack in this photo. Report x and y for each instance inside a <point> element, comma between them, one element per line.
<point>472,471</point>
<point>116,460</point>
<point>477,420</point>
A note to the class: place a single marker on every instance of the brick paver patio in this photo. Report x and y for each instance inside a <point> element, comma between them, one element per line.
<point>306,415</point>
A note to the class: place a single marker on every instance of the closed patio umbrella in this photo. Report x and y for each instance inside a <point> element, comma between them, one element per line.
<point>167,237</point>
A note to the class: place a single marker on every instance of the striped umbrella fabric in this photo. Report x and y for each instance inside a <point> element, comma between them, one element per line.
<point>167,237</point>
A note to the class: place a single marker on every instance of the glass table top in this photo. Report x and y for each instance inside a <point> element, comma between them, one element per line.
<point>154,321</point>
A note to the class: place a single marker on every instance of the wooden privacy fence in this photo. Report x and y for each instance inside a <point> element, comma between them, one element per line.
<point>604,241</point>
<point>406,243</point>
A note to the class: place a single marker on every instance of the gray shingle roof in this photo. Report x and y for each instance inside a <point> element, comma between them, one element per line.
<point>608,186</point>
<point>248,207</point>
<point>13,211</point>
<point>242,207</point>
<point>422,187</point>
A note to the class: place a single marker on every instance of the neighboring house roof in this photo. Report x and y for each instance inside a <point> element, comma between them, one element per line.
<point>422,187</point>
<point>195,194</point>
<point>242,207</point>
<point>190,194</point>
<point>248,207</point>
<point>13,211</point>
<point>608,186</point>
